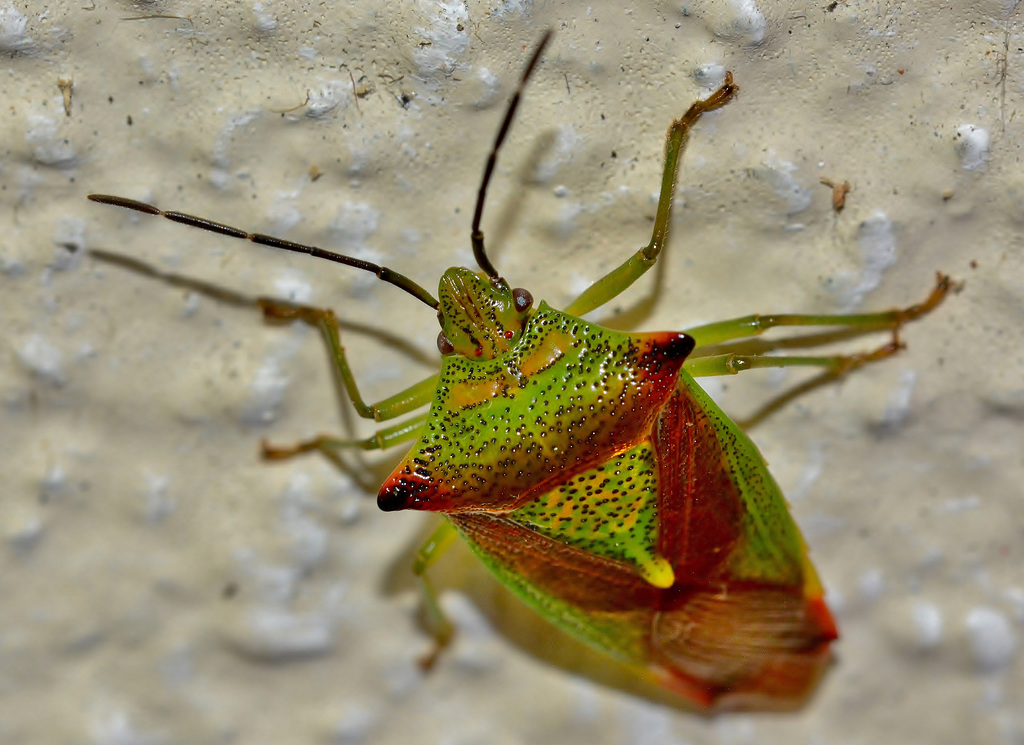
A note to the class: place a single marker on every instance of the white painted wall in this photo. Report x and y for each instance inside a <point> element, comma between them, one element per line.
<point>159,584</point>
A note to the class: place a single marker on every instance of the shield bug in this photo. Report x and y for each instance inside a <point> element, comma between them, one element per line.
<point>592,475</point>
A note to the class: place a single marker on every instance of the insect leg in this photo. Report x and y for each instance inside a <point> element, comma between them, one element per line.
<point>400,403</point>
<point>835,365</point>
<point>618,279</point>
<point>740,352</point>
<point>411,398</point>
<point>331,446</point>
<point>281,310</point>
<point>715,355</point>
<point>855,324</point>
<point>438,623</point>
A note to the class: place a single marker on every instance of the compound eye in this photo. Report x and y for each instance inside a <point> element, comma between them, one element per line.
<point>444,346</point>
<point>522,299</point>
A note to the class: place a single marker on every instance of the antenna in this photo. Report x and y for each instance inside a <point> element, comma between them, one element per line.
<point>476,235</point>
<point>383,273</point>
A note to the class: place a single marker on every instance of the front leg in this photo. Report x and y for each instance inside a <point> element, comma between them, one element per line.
<point>621,277</point>
<point>324,319</point>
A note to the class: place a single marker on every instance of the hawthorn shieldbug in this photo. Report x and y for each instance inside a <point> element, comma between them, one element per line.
<point>591,474</point>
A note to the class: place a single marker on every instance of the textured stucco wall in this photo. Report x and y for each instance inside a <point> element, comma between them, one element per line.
<point>159,584</point>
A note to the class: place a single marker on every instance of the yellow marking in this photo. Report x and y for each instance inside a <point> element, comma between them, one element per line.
<point>566,508</point>
<point>657,571</point>
<point>812,585</point>
<point>547,354</point>
<point>633,514</point>
<point>466,395</point>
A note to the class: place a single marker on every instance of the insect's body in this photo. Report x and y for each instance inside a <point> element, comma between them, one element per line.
<point>566,395</point>
<point>597,480</point>
<point>589,471</point>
